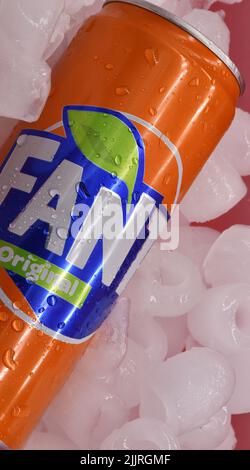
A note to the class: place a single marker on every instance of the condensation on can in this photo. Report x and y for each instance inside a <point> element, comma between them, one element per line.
<point>149,68</point>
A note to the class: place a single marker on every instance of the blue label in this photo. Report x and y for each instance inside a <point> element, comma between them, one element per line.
<point>50,190</point>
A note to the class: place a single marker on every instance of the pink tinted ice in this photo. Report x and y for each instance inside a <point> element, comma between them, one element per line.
<point>178,7</point>
<point>113,415</point>
<point>209,3</point>
<point>79,405</point>
<point>47,441</point>
<point>25,74</point>
<point>230,442</point>
<point>228,260</point>
<point>96,406</point>
<point>210,435</point>
<point>240,400</point>
<point>188,389</point>
<point>151,336</point>
<point>168,284</point>
<point>235,145</point>
<point>218,188</point>
<point>108,348</point>
<point>144,434</point>
<point>195,242</point>
<point>129,375</point>
<point>221,320</point>
<point>212,25</point>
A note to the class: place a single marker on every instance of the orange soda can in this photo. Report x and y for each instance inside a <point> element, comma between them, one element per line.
<point>140,100</point>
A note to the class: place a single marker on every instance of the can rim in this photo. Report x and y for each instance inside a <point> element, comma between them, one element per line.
<point>191,30</point>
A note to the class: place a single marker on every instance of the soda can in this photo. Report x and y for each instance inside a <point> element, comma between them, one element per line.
<point>138,103</point>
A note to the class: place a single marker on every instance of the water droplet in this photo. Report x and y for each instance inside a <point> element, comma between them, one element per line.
<point>151,56</point>
<point>109,66</point>
<point>62,233</point>
<point>152,111</point>
<point>53,192</point>
<point>17,305</point>
<point>162,89</point>
<point>98,155</point>
<point>51,300</point>
<point>61,325</point>
<point>40,333</point>
<point>41,310</point>
<point>135,160</point>
<point>194,82</point>
<point>71,123</point>
<point>4,316</point>
<point>4,187</point>
<point>118,160</point>
<point>122,91</point>
<point>21,140</point>
<point>17,325</point>
<point>8,359</point>
<point>95,57</point>
<point>114,174</point>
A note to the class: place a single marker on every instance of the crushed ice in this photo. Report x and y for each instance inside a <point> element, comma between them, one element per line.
<point>185,317</point>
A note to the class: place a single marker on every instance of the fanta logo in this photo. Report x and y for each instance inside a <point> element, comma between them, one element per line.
<point>51,241</point>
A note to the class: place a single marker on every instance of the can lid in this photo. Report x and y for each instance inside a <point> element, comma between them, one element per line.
<point>191,30</point>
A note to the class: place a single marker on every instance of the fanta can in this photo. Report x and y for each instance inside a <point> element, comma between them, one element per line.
<point>140,100</point>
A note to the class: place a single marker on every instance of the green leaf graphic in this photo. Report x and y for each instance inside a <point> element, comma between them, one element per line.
<point>107,142</point>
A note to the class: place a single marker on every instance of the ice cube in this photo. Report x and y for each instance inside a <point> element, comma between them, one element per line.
<point>113,414</point>
<point>235,145</point>
<point>212,25</point>
<point>188,389</point>
<point>209,3</point>
<point>29,33</point>
<point>46,441</point>
<point>178,7</point>
<point>230,442</point>
<point>195,242</point>
<point>128,377</point>
<point>210,435</point>
<point>108,348</point>
<point>240,400</point>
<point>228,259</point>
<point>77,407</point>
<point>143,434</point>
<point>215,191</point>
<point>149,334</point>
<point>168,284</point>
<point>221,320</point>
